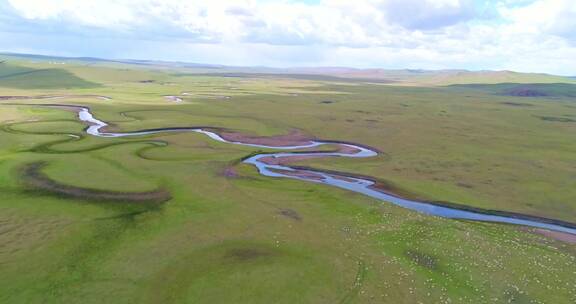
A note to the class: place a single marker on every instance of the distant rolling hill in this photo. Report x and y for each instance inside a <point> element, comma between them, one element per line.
<point>491,77</point>
<point>438,77</point>
<point>400,76</point>
<point>20,77</point>
<point>543,90</point>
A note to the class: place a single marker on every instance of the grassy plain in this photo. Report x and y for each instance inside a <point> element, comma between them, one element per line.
<point>245,238</point>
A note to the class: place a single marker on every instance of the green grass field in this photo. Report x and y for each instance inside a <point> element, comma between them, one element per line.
<point>246,238</point>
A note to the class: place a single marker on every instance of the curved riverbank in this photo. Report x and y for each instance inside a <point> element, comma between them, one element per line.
<point>276,165</point>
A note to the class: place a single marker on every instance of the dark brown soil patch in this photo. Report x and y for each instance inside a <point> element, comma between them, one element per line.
<point>560,236</point>
<point>517,104</point>
<point>556,119</point>
<point>300,173</point>
<point>230,172</point>
<point>270,160</point>
<point>422,259</point>
<point>248,254</point>
<point>33,178</point>
<point>341,143</point>
<point>464,185</point>
<point>294,138</point>
<point>347,149</point>
<point>344,178</point>
<point>290,213</point>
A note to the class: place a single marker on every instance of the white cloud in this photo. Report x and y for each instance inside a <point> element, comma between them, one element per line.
<point>556,17</point>
<point>100,13</point>
<point>527,35</point>
<point>338,22</point>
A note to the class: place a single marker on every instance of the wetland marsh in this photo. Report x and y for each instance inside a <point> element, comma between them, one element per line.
<point>152,195</point>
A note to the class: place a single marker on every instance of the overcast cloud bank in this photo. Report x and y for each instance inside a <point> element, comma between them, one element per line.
<point>521,35</point>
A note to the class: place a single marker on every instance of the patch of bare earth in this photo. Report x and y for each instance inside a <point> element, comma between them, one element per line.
<point>290,213</point>
<point>294,138</point>
<point>301,174</point>
<point>271,160</point>
<point>230,172</point>
<point>343,178</point>
<point>249,254</point>
<point>559,236</point>
<point>345,149</point>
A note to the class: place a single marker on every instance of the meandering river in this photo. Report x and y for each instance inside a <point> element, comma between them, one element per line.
<point>272,165</point>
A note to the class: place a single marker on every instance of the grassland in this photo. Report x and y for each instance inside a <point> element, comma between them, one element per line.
<point>245,238</point>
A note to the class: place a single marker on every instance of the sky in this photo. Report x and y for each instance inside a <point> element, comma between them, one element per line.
<point>519,35</point>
